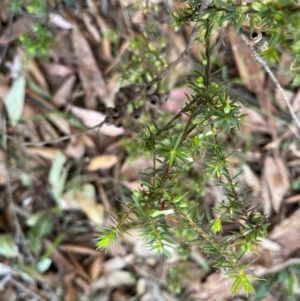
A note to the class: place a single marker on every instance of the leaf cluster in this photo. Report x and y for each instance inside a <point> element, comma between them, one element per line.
<point>163,210</point>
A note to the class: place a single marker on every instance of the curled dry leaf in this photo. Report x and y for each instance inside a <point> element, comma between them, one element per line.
<point>45,152</point>
<point>252,76</point>
<point>279,97</point>
<point>3,10</point>
<point>94,211</point>
<point>102,162</point>
<point>61,123</point>
<point>75,148</point>
<point>250,179</point>
<point>64,92</point>
<point>276,176</point>
<point>113,280</point>
<point>36,72</point>
<point>59,21</point>
<point>54,69</point>
<point>3,170</point>
<point>90,75</point>
<point>18,28</point>
<point>91,118</point>
<point>72,293</point>
<point>94,32</point>
<point>95,268</point>
<point>253,123</point>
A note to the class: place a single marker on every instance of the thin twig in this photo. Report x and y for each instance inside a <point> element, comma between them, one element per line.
<point>41,143</point>
<point>25,289</point>
<point>273,78</point>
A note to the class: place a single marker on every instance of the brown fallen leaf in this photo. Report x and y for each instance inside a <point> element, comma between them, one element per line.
<point>64,92</point>
<point>91,118</point>
<point>252,76</point>
<point>54,69</point>
<point>95,268</point>
<point>90,75</point>
<point>94,211</point>
<point>249,70</point>
<point>45,152</point>
<point>253,123</point>
<point>91,28</point>
<point>75,148</point>
<point>61,262</point>
<point>79,249</point>
<point>276,176</point>
<point>59,21</point>
<point>4,88</point>
<point>292,199</point>
<point>102,162</point>
<point>72,294</point>
<point>18,28</point>
<point>60,122</point>
<point>77,265</point>
<point>3,10</point>
<point>3,170</point>
<point>36,72</point>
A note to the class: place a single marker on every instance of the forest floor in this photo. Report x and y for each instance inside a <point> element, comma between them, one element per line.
<point>62,175</point>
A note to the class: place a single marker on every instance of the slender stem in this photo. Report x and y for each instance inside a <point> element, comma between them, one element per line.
<point>41,143</point>
<point>273,78</point>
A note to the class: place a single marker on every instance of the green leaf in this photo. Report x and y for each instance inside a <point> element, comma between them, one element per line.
<point>7,246</point>
<point>296,81</point>
<point>43,265</point>
<point>14,101</point>
<point>216,226</point>
<point>222,4</point>
<point>105,239</point>
<point>162,212</point>
<point>57,175</point>
<point>41,224</point>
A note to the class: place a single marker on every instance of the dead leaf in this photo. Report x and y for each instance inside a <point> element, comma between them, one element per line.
<point>59,70</point>
<point>91,118</point>
<point>64,92</point>
<point>94,211</point>
<point>95,268</point>
<point>115,263</point>
<point>78,249</point>
<point>3,11</point>
<point>62,264</point>
<point>250,178</point>
<point>4,88</point>
<point>280,100</point>
<point>71,294</point>
<point>60,122</point>
<point>75,148</point>
<point>252,76</point>
<point>90,75</point>
<point>283,73</point>
<point>102,162</point>
<point>36,72</point>
<point>113,280</point>
<point>250,70</point>
<point>3,170</point>
<point>276,177</point>
<point>45,152</point>
<point>18,28</point>
<point>79,268</point>
<point>91,28</point>
<point>253,123</point>
<point>292,199</point>
<point>59,21</point>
